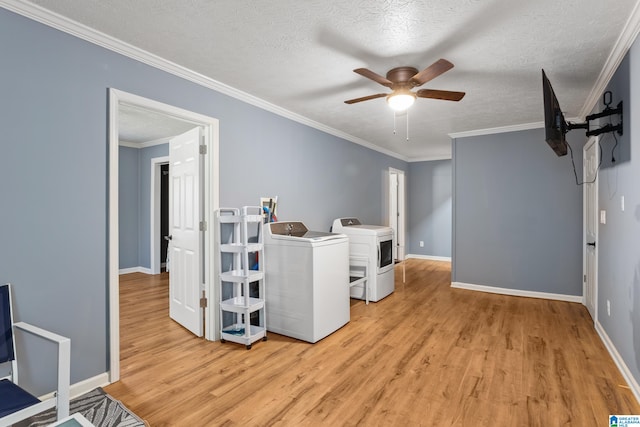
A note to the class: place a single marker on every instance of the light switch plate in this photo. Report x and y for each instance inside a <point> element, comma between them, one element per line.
<point>622,203</point>
<point>603,217</point>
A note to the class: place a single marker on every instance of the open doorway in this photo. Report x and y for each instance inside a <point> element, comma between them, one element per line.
<point>397,216</point>
<point>209,181</point>
<point>164,215</point>
<point>159,210</point>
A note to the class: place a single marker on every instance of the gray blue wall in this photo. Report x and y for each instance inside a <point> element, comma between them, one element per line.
<point>517,213</point>
<point>54,170</point>
<point>128,205</point>
<point>135,204</point>
<point>429,189</point>
<point>619,239</point>
<point>144,208</point>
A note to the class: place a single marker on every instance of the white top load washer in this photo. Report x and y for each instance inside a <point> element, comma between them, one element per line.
<point>306,281</point>
<point>374,242</point>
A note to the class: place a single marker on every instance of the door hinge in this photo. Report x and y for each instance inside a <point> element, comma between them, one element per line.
<point>203,225</point>
<point>203,149</point>
<point>203,302</point>
<point>584,278</point>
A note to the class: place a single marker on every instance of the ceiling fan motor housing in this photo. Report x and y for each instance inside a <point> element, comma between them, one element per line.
<point>401,74</point>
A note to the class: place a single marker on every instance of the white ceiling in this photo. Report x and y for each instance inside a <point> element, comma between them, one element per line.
<point>299,56</point>
<point>137,125</point>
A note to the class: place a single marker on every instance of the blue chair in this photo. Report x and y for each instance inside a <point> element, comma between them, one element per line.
<point>16,404</point>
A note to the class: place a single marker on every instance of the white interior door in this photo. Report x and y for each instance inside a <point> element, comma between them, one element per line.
<point>590,164</point>
<point>393,209</point>
<point>396,211</point>
<point>185,214</point>
<point>401,217</point>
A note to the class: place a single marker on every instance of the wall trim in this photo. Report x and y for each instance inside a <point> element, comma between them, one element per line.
<point>516,292</point>
<point>429,257</point>
<point>620,49</point>
<point>128,144</point>
<point>62,23</point>
<point>619,361</point>
<point>430,158</point>
<point>501,129</point>
<point>138,269</point>
<point>146,144</point>
<point>84,386</point>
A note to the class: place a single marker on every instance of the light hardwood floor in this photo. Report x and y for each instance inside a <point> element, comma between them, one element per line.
<point>427,355</point>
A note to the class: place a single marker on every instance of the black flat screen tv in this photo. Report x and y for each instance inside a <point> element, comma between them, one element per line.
<point>555,125</point>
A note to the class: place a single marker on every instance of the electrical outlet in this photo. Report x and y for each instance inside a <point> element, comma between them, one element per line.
<point>421,243</point>
<point>608,308</point>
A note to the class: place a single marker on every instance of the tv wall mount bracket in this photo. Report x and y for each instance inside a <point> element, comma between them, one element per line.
<point>607,112</point>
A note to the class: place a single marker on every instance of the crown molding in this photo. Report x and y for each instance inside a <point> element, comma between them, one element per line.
<point>128,144</point>
<point>620,49</point>
<point>64,24</point>
<point>502,129</point>
<point>430,158</point>
<point>145,144</point>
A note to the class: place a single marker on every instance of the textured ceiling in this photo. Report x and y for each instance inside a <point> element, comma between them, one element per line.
<point>299,55</point>
<point>137,125</point>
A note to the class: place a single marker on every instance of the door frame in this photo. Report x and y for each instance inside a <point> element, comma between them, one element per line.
<point>211,182</point>
<point>594,140</point>
<point>401,205</point>
<point>155,220</point>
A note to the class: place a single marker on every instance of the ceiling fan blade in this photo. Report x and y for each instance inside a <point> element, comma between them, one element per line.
<point>373,76</point>
<point>446,95</point>
<point>431,72</point>
<point>365,98</point>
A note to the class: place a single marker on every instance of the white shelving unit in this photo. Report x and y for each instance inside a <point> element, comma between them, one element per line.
<point>242,313</point>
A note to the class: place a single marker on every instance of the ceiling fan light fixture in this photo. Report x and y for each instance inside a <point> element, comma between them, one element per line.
<point>401,101</point>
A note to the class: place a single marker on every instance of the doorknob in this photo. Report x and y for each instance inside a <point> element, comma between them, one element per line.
<point>591,244</point>
<point>169,237</point>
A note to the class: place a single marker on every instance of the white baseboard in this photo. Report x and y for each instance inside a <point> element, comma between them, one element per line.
<point>624,369</point>
<point>429,257</point>
<point>135,270</point>
<point>516,292</point>
<point>84,386</point>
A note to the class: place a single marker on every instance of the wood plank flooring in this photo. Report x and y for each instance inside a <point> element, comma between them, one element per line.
<point>427,355</point>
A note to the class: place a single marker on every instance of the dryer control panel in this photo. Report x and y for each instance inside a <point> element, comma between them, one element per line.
<point>349,221</point>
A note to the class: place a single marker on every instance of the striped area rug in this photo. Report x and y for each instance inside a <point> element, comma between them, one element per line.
<point>97,406</point>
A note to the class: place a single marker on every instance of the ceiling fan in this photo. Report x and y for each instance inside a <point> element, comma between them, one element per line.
<point>402,79</point>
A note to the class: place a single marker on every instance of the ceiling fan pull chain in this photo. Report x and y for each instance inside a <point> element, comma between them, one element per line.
<point>394,122</point>
<point>407,125</point>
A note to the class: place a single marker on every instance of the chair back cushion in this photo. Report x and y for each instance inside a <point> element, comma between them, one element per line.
<point>6,329</point>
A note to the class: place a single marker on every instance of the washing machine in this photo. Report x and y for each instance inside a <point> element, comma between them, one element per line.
<point>306,280</point>
<point>375,243</point>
